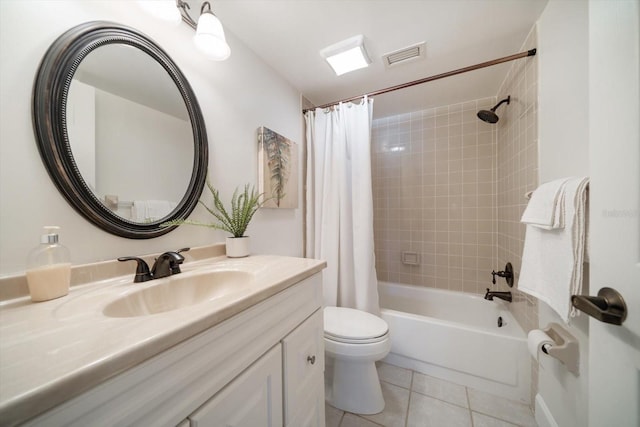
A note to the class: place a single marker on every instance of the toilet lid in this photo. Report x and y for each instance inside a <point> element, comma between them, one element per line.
<point>350,325</point>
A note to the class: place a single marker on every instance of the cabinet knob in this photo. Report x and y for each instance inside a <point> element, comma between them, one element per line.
<point>311,359</point>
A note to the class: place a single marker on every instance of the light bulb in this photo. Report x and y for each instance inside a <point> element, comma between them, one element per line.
<point>162,9</point>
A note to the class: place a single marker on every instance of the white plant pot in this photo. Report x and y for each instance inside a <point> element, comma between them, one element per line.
<point>237,247</point>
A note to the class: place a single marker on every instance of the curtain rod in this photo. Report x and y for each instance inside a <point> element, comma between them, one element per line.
<point>531,52</point>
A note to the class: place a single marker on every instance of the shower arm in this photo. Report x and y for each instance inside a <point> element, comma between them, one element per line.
<point>507,100</point>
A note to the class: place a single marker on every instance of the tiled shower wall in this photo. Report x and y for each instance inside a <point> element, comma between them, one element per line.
<point>434,191</point>
<point>517,172</point>
<point>451,188</point>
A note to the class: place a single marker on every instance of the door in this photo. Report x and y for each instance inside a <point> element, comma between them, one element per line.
<point>303,355</point>
<point>614,140</point>
<point>253,399</point>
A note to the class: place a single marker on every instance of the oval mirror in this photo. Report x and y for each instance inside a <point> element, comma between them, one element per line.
<point>119,129</point>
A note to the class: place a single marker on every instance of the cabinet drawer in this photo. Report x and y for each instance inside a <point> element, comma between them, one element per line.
<point>253,399</point>
<point>303,356</point>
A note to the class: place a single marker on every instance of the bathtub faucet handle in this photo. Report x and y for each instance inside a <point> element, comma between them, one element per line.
<point>507,274</point>
<point>494,274</point>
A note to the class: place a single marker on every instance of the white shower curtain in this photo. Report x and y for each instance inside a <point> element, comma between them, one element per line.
<point>339,226</point>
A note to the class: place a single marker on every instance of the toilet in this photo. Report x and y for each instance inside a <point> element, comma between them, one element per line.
<point>354,340</point>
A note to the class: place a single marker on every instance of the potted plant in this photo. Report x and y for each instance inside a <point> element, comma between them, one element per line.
<point>234,221</point>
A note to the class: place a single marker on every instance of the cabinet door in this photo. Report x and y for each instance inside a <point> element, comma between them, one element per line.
<point>254,398</point>
<point>303,352</point>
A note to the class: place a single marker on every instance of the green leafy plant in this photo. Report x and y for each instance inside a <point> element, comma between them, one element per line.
<point>235,220</point>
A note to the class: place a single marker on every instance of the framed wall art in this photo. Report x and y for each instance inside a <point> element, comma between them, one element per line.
<point>277,169</point>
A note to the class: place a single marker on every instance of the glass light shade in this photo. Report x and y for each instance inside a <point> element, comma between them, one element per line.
<point>162,9</point>
<point>210,37</point>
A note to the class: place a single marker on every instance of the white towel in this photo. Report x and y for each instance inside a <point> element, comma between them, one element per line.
<point>151,210</point>
<point>546,207</point>
<point>552,259</point>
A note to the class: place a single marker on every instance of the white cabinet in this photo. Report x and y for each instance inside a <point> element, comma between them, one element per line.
<point>254,399</point>
<point>252,369</point>
<point>303,354</point>
<point>284,387</point>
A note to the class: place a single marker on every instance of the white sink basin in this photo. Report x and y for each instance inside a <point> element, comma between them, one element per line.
<point>178,291</point>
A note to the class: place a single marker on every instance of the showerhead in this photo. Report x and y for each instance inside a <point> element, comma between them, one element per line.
<point>490,116</point>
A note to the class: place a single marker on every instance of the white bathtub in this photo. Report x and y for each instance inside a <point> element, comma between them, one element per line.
<point>455,336</point>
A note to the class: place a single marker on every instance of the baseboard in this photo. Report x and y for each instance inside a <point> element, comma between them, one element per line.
<point>544,418</point>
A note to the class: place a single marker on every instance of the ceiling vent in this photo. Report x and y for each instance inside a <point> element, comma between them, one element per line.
<point>404,55</point>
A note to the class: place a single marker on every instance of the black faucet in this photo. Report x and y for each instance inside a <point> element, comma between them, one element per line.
<point>506,296</point>
<point>507,274</point>
<point>165,265</point>
<point>142,269</point>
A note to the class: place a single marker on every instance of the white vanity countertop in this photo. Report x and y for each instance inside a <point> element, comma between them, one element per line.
<point>54,350</point>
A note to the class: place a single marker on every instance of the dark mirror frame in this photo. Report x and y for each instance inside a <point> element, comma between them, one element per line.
<point>50,91</point>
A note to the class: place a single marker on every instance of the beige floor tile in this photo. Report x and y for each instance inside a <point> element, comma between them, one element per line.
<point>481,420</point>
<point>332,416</point>
<point>394,374</point>
<point>351,420</point>
<point>433,402</point>
<point>440,389</point>
<point>425,411</point>
<point>396,404</point>
<point>501,408</point>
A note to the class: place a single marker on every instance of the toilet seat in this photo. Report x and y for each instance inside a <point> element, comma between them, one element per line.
<point>350,326</point>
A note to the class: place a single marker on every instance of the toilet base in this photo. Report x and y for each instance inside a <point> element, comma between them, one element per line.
<point>353,386</point>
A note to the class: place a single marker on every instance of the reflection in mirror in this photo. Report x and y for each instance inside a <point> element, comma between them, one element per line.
<point>119,129</point>
<point>129,132</point>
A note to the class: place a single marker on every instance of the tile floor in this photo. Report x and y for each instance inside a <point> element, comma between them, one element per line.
<point>414,399</point>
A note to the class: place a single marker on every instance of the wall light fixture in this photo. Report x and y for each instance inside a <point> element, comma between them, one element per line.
<point>209,37</point>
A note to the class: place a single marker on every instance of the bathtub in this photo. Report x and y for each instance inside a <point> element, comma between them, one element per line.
<point>455,336</point>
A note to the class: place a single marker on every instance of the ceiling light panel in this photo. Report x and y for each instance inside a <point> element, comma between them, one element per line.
<point>347,55</point>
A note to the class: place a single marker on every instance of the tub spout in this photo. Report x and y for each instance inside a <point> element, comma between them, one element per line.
<point>506,296</point>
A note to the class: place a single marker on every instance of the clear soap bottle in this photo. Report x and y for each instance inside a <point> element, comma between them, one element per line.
<point>49,267</point>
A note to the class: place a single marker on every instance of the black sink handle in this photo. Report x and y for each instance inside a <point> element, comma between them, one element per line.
<point>607,307</point>
<point>142,269</point>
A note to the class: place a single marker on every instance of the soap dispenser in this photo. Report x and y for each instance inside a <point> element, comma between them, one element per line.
<point>49,267</point>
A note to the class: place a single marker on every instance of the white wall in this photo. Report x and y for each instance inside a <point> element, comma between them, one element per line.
<point>236,97</point>
<point>563,99</point>
<point>563,151</point>
<point>81,127</point>
<point>123,146</point>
